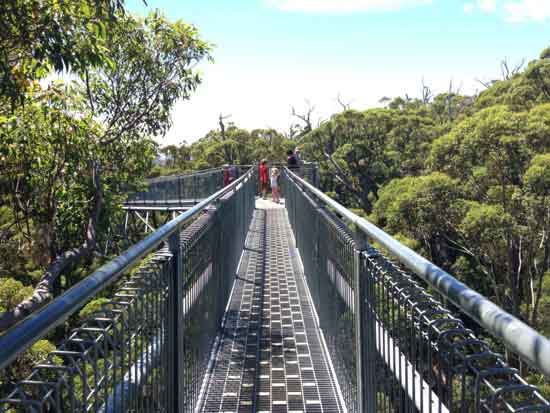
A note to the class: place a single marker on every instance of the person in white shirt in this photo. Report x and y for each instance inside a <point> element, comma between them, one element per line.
<point>275,185</point>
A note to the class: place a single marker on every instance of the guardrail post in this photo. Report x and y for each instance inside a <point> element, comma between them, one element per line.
<point>316,175</point>
<point>175,326</point>
<point>365,333</point>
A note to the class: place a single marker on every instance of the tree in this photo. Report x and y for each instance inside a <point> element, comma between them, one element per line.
<point>68,182</point>
<point>40,35</point>
<point>364,150</point>
<point>152,67</point>
<point>425,209</point>
<point>521,91</point>
<point>305,124</point>
<point>463,179</point>
<point>503,228</point>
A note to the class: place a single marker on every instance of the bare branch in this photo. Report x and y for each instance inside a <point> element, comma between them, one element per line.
<point>63,262</point>
<point>227,150</point>
<point>485,84</point>
<point>305,118</point>
<point>427,94</point>
<point>346,105</point>
<point>89,91</point>
<point>508,72</point>
<point>221,118</point>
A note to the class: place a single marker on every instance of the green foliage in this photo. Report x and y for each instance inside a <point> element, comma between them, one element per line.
<point>40,35</point>
<point>367,149</point>
<point>22,368</point>
<point>233,146</point>
<point>12,292</point>
<point>92,307</point>
<point>464,180</point>
<point>537,176</point>
<point>420,208</point>
<point>523,90</point>
<point>151,70</point>
<point>69,152</point>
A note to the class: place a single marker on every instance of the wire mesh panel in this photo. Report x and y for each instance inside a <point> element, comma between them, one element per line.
<point>327,251</point>
<point>146,349</point>
<point>395,347</point>
<point>114,361</point>
<point>178,188</point>
<point>427,359</point>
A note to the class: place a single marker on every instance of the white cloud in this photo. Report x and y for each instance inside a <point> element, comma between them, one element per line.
<point>516,11</point>
<point>343,6</point>
<point>468,8</point>
<point>488,6</point>
<point>527,10</point>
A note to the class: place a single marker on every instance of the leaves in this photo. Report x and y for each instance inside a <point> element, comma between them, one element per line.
<point>37,35</point>
<point>537,177</point>
<point>12,292</point>
<point>56,140</point>
<point>462,179</point>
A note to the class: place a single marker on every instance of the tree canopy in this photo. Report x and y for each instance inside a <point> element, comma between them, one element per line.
<point>462,179</point>
<point>71,150</point>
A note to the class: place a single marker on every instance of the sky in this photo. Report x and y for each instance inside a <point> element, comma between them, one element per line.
<point>273,55</point>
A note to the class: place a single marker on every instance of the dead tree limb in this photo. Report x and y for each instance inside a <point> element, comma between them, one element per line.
<point>305,118</point>
<point>346,105</point>
<point>226,148</point>
<point>63,262</point>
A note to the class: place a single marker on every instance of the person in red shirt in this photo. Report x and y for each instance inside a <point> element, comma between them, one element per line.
<point>226,175</point>
<point>264,178</point>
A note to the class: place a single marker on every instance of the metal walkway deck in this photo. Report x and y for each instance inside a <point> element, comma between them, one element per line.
<point>270,357</point>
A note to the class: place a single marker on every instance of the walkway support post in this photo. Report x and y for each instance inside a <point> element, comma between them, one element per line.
<point>175,330</point>
<point>365,334</point>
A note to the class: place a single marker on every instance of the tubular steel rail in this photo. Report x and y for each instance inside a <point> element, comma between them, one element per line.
<point>188,189</point>
<point>394,346</point>
<point>147,347</point>
<point>178,189</point>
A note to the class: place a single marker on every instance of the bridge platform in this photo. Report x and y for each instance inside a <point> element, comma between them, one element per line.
<point>271,356</point>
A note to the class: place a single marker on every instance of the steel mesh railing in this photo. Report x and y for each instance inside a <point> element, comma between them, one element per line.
<point>179,189</point>
<point>394,346</point>
<point>147,348</point>
<point>327,251</point>
<point>193,187</point>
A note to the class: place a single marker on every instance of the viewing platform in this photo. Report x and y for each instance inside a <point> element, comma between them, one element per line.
<point>236,304</point>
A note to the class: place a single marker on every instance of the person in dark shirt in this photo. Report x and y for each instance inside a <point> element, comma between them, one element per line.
<point>292,161</point>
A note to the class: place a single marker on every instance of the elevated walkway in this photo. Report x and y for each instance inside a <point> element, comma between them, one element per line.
<point>270,356</point>
<point>241,305</point>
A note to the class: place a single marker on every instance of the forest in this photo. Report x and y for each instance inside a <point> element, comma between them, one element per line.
<point>463,180</point>
<point>85,88</point>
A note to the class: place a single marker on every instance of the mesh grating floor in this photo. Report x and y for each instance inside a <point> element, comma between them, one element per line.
<point>270,357</point>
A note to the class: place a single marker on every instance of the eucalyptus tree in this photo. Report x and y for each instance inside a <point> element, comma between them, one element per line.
<point>364,150</point>
<point>482,208</point>
<point>500,158</point>
<point>37,36</point>
<point>73,150</point>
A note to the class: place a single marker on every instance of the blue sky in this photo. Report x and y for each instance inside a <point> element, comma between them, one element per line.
<point>271,55</point>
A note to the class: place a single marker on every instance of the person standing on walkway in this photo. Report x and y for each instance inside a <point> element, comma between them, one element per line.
<point>264,178</point>
<point>275,185</point>
<point>226,175</point>
<point>292,161</point>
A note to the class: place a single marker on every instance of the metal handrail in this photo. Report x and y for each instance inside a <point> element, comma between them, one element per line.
<point>517,336</point>
<point>24,334</point>
<point>196,173</point>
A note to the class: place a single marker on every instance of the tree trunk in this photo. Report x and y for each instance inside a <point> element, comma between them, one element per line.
<point>63,262</point>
